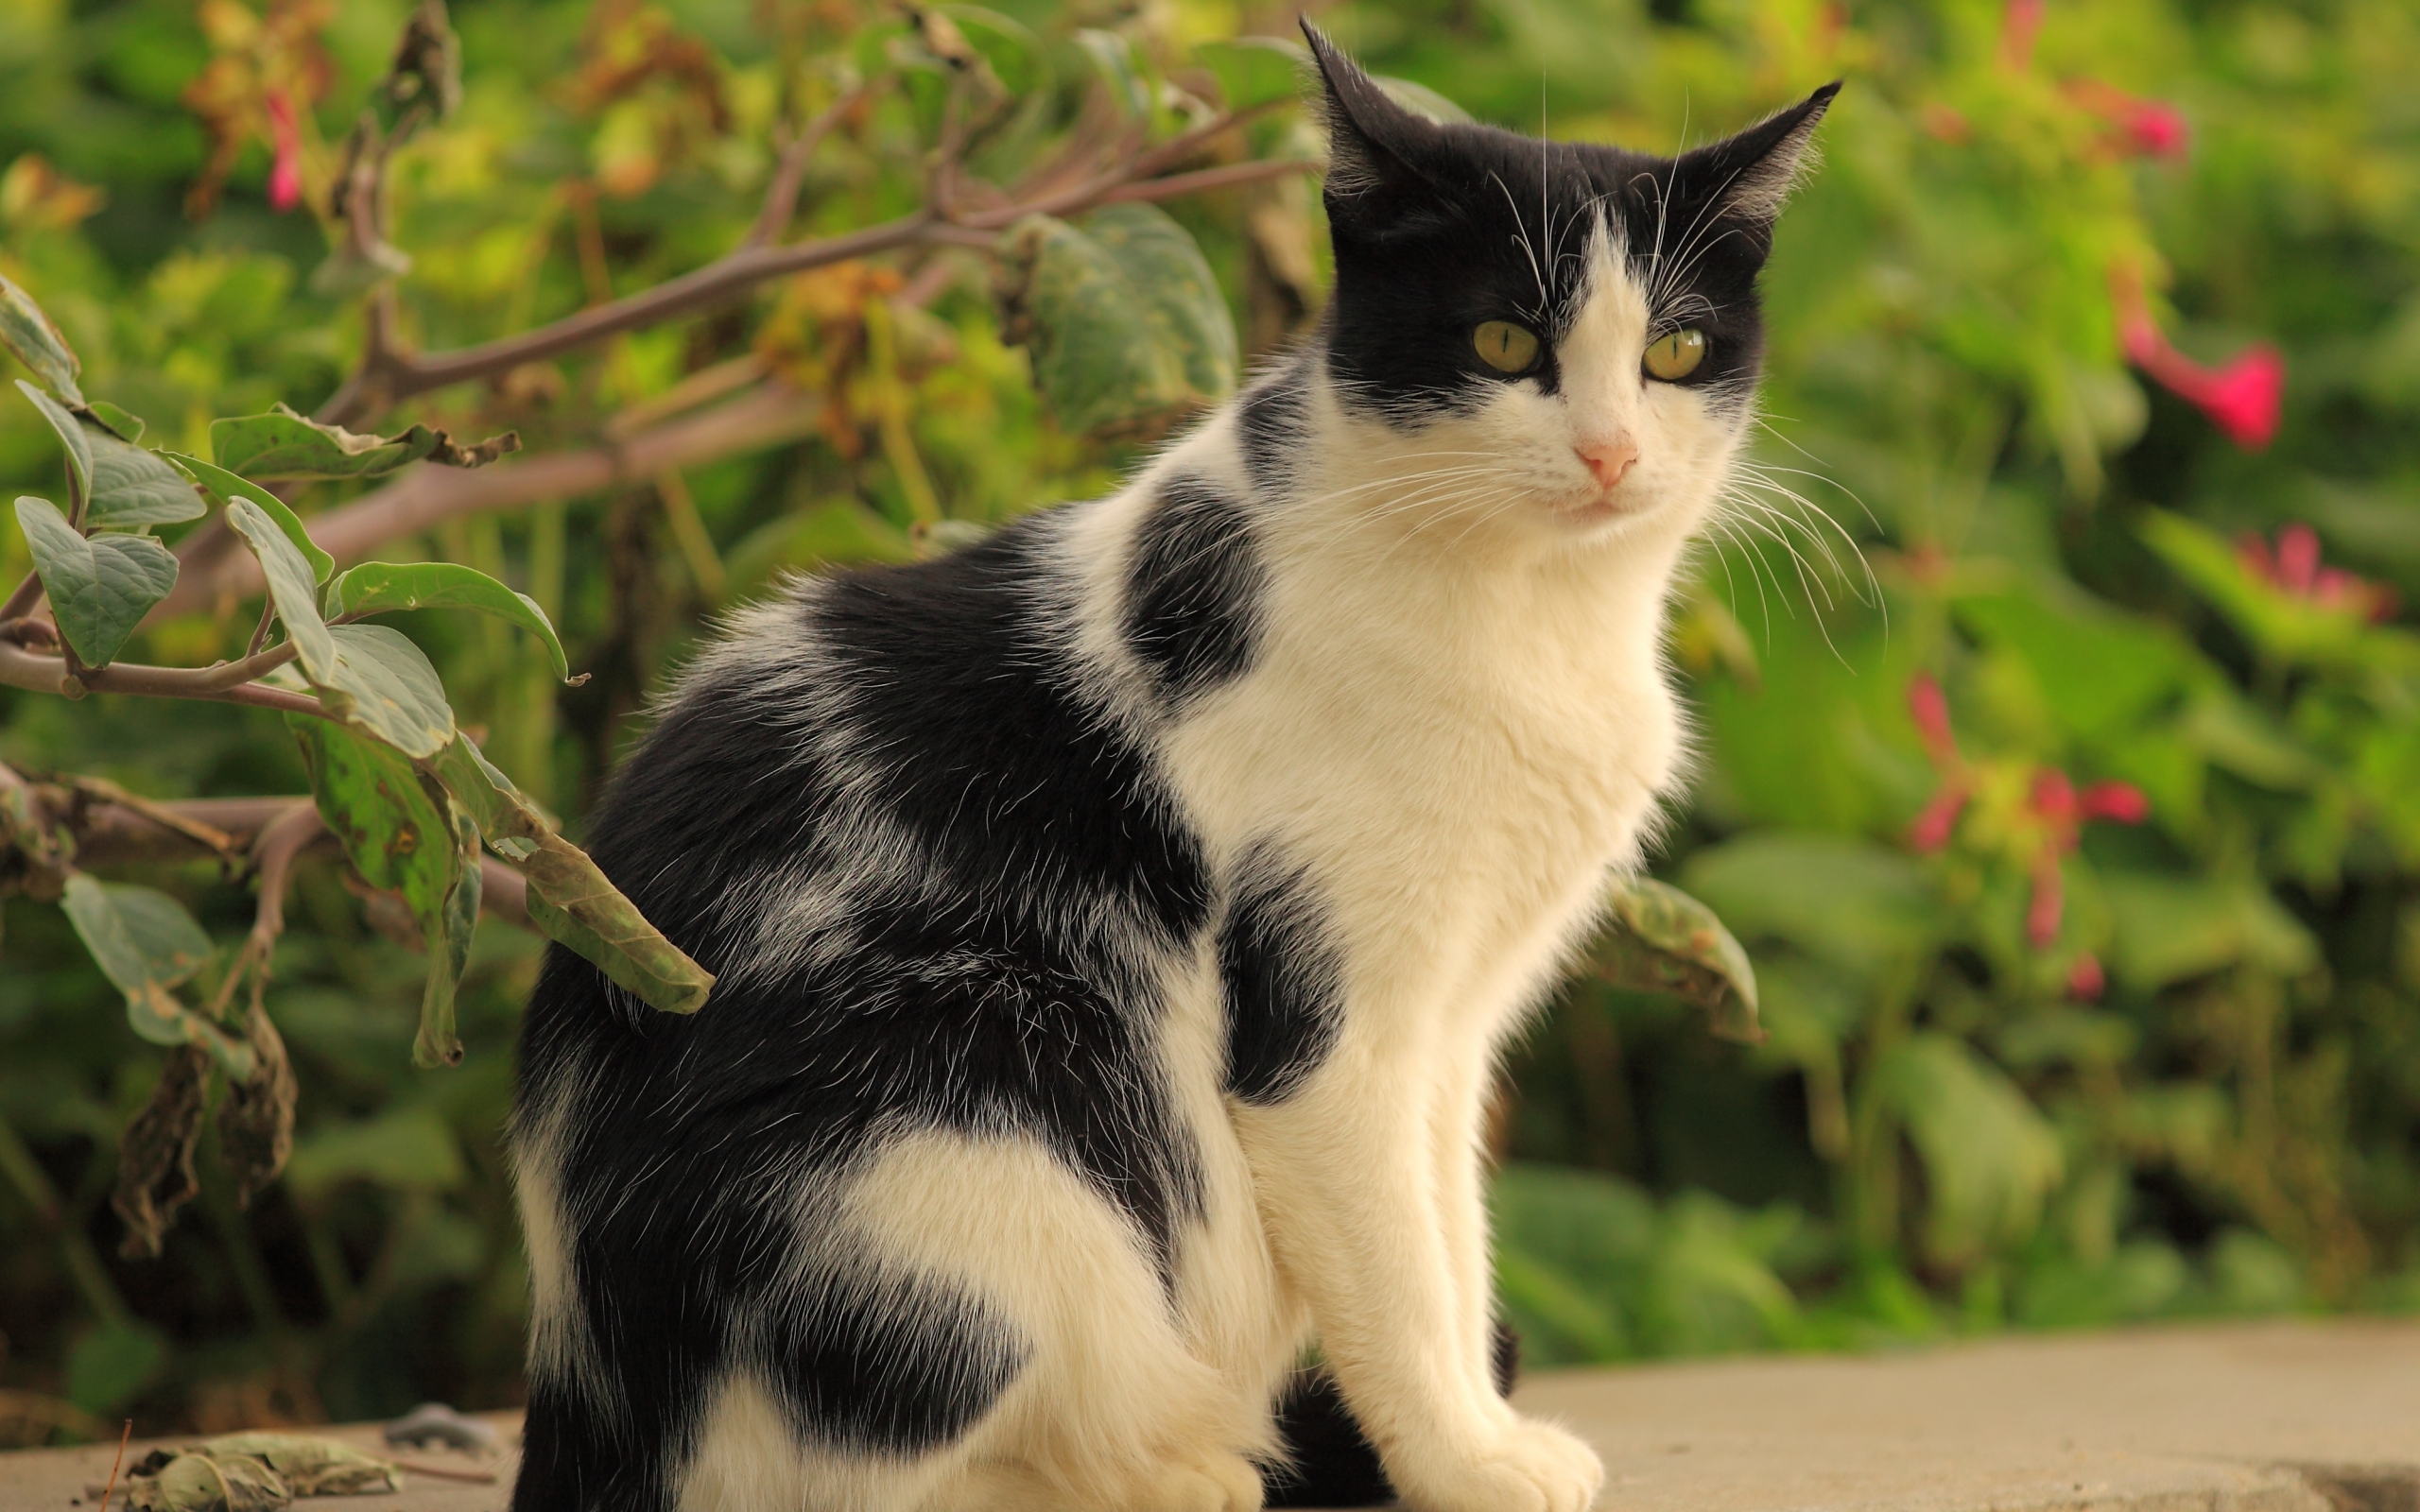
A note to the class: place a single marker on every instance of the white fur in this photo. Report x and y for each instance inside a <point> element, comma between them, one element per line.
<point>1458,720</point>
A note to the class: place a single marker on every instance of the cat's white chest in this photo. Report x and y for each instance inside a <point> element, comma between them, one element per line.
<point>1460,772</point>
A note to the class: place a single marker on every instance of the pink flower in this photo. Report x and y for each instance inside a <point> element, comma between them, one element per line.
<point>285,169</point>
<point>2294,568</point>
<point>2122,802</point>
<point>2151,128</point>
<point>2018,23</point>
<point>2084,979</point>
<point>2059,812</point>
<point>2241,398</point>
<point>2054,796</point>
<point>1930,710</point>
<point>2155,127</point>
<point>2048,903</point>
<point>1933,827</point>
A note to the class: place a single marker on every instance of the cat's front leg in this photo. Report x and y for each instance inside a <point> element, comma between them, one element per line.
<point>1346,1167</point>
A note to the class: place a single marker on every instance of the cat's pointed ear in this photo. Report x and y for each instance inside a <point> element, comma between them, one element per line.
<point>1371,139</point>
<point>1750,175</point>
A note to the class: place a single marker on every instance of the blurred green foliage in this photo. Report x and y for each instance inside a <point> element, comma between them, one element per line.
<point>2190,1087</point>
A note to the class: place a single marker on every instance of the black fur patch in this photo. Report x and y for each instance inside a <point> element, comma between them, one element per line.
<point>896,1366</point>
<point>1283,982</point>
<point>1331,1461</point>
<point>1193,589</point>
<point>1271,422</point>
<point>1441,227</point>
<point>987,753</point>
<point>975,1000</point>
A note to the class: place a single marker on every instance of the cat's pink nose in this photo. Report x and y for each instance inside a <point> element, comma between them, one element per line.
<point>1609,462</point>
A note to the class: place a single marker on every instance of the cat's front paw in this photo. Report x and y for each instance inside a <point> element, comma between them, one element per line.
<point>1526,1467</point>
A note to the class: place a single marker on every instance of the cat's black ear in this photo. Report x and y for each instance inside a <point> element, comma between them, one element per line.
<point>1372,141</point>
<point>1751,174</point>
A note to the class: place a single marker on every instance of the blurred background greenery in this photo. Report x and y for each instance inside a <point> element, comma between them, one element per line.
<point>2060,721</point>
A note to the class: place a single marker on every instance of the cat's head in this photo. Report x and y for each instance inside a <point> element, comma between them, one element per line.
<point>1565,335</point>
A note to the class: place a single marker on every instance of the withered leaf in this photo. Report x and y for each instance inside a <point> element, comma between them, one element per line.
<point>155,1154</point>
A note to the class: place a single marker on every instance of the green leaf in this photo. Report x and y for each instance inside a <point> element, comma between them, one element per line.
<point>110,1366</point>
<point>1848,902</point>
<point>292,589</point>
<point>2170,928</point>
<point>1990,1157</point>
<point>71,434</point>
<point>133,487</point>
<point>449,952</point>
<point>1660,939</point>
<point>146,945</point>
<point>1112,58</point>
<point>403,838</point>
<point>99,588</point>
<point>1187,312</point>
<point>393,829</point>
<point>569,898</point>
<point>405,1149</point>
<point>226,487</point>
<point>382,588</point>
<point>1255,70</point>
<point>128,427</point>
<point>28,332</point>
<point>282,444</point>
<point>369,675</point>
<point>1124,321</point>
<point>382,683</point>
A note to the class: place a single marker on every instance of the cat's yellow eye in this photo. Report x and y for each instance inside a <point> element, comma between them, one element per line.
<point>1506,347</point>
<point>1675,354</point>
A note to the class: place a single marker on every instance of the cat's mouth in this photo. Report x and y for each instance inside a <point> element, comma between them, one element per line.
<point>1590,508</point>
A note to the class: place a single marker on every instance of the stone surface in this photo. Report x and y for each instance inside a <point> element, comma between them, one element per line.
<point>2256,1418</point>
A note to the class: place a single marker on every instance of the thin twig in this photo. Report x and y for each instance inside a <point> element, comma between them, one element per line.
<point>398,378</point>
<point>274,852</point>
<point>781,196</point>
<point>260,631</point>
<point>23,598</point>
<point>1189,183</point>
<point>200,831</point>
<point>386,377</point>
<point>45,673</point>
<point>504,894</point>
<point>765,416</point>
<point>703,387</point>
<point>124,1435</point>
<point>34,634</point>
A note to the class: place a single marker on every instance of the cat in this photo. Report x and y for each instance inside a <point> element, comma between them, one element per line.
<point>1117,920</point>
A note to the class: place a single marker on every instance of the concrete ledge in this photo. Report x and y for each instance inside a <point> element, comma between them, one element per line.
<point>2256,1418</point>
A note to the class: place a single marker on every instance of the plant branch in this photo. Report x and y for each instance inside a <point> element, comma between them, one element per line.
<point>764,416</point>
<point>201,831</point>
<point>50,674</point>
<point>23,598</point>
<point>392,377</point>
<point>781,196</point>
<point>388,376</point>
<point>281,841</point>
<point>1176,184</point>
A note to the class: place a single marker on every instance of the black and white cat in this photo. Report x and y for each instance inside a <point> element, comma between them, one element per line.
<point>1117,921</point>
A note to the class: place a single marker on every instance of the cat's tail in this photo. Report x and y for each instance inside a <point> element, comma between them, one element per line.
<point>1330,1463</point>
